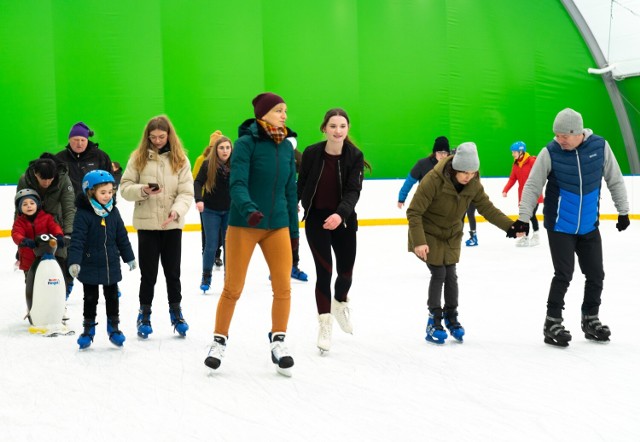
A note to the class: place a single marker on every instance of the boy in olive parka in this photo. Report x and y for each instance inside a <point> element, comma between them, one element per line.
<point>435,231</point>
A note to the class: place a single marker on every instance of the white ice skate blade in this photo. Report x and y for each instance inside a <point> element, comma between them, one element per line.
<point>284,371</point>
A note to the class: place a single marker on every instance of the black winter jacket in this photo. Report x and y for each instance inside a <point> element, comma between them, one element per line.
<point>350,174</point>
<point>79,164</point>
<point>219,199</point>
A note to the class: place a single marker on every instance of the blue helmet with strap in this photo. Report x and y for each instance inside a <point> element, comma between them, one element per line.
<point>95,177</point>
<point>518,146</point>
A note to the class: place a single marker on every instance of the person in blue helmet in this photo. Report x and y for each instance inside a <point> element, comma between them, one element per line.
<point>99,240</point>
<point>522,164</point>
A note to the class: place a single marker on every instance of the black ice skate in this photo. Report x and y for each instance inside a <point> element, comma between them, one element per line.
<point>594,330</point>
<point>555,333</point>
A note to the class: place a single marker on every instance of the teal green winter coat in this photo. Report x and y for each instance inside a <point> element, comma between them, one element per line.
<point>263,178</point>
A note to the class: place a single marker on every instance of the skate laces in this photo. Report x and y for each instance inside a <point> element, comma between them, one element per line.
<point>217,349</point>
<point>279,350</point>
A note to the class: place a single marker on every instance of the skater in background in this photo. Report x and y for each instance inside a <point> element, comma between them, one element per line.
<point>296,272</point>
<point>211,190</point>
<point>573,165</point>
<point>116,171</point>
<point>435,232</point>
<point>264,212</point>
<point>471,219</point>
<point>522,164</point>
<point>82,155</point>
<point>440,150</point>
<point>158,179</point>
<point>31,222</point>
<point>50,179</point>
<point>99,240</point>
<point>196,168</point>
<point>329,186</point>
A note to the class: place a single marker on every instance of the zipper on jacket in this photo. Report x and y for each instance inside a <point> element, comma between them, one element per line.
<point>275,186</point>
<point>344,221</point>
<point>106,253</point>
<point>315,189</point>
<point>581,196</point>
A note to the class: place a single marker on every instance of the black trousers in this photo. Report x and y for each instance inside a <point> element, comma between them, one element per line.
<point>342,240</point>
<point>164,246</point>
<point>91,295</point>
<point>443,276</point>
<point>564,248</point>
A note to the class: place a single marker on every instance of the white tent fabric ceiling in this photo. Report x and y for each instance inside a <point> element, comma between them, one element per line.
<point>615,25</point>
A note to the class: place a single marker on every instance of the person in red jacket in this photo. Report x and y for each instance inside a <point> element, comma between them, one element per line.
<point>522,164</point>
<point>31,222</point>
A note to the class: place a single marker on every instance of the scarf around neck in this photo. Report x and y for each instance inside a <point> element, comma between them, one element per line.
<point>99,209</point>
<point>278,134</point>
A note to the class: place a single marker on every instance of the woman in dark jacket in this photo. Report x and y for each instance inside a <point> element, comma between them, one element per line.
<point>329,185</point>
<point>211,191</point>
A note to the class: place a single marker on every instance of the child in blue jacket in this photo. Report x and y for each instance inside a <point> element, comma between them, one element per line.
<point>99,240</point>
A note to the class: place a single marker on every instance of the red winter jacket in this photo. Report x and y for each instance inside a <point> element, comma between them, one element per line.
<point>520,172</point>
<point>25,228</point>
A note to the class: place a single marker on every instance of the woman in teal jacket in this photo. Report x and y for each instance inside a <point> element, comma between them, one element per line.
<point>264,212</point>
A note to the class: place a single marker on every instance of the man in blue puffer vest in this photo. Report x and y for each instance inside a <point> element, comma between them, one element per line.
<point>573,165</point>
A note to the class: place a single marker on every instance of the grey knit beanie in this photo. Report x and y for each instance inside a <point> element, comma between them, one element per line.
<point>568,122</point>
<point>466,158</point>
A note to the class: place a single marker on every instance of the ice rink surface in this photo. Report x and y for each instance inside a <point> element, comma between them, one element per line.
<point>383,383</point>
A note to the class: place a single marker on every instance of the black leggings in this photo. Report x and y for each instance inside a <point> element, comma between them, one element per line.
<point>534,219</point>
<point>321,241</point>
<point>471,215</point>
<point>443,276</point>
<point>91,295</point>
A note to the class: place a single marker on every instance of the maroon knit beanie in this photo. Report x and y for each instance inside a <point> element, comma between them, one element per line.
<point>264,102</point>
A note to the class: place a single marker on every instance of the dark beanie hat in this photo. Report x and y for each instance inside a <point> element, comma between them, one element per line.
<point>441,145</point>
<point>80,130</point>
<point>264,102</point>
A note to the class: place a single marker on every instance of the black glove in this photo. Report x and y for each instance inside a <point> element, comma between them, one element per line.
<point>28,242</point>
<point>255,218</point>
<point>295,244</point>
<point>516,228</point>
<point>623,222</point>
<point>61,242</point>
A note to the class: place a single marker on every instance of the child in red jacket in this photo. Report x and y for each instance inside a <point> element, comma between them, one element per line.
<point>522,164</point>
<point>31,222</point>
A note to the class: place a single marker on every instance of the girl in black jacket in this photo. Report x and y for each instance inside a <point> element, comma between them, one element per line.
<point>329,185</point>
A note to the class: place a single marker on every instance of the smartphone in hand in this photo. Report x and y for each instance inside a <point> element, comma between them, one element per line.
<point>154,186</point>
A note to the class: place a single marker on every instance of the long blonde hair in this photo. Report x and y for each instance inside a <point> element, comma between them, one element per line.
<point>214,163</point>
<point>177,156</point>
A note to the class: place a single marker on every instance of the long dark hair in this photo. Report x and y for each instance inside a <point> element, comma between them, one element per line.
<point>339,112</point>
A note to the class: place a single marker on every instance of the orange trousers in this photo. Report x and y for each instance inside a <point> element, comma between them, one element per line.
<point>239,246</point>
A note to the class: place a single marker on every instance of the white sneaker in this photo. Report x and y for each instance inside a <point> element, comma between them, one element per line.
<point>342,313</point>
<point>216,352</point>
<point>523,242</point>
<point>534,240</point>
<point>325,321</point>
<point>280,355</point>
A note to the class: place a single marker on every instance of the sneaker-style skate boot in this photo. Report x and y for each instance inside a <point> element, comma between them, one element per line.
<point>218,262</point>
<point>435,333</point>
<point>144,321</point>
<point>555,333</point>
<point>525,241</point>
<point>342,313</point>
<point>325,322</point>
<point>473,240</point>
<point>280,355</point>
<point>216,352</point>
<point>534,239</point>
<point>205,284</point>
<point>177,320</point>
<point>86,338</point>
<point>451,322</point>
<point>594,330</point>
<point>115,335</point>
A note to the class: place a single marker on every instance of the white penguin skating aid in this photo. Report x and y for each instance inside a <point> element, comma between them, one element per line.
<point>45,292</point>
